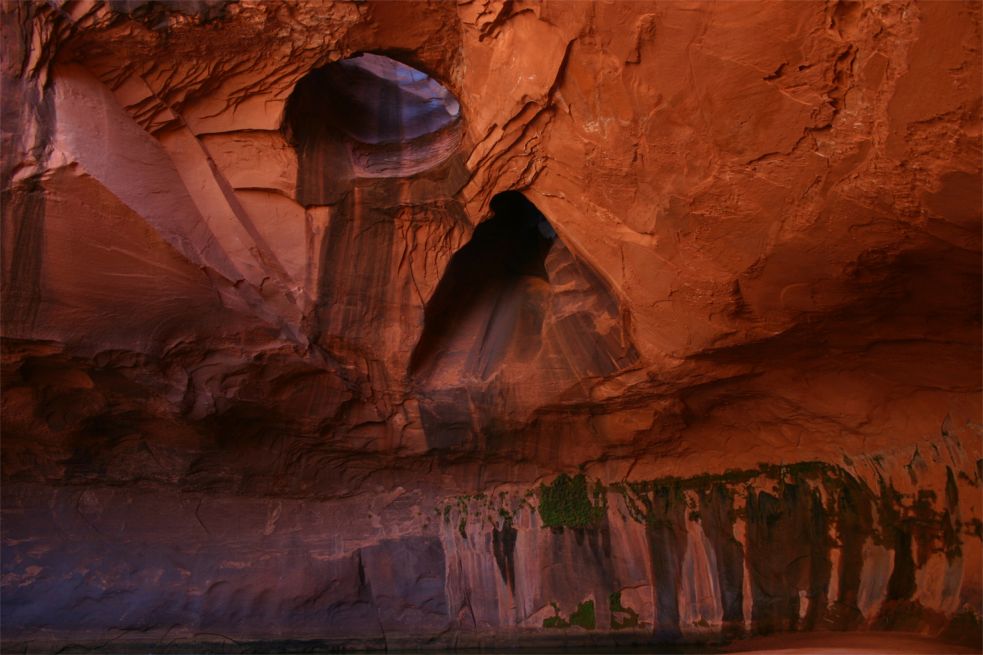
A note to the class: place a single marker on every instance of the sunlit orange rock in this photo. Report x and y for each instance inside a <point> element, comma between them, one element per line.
<point>489,323</point>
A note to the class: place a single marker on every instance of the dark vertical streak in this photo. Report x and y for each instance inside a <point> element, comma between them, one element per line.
<point>788,551</point>
<point>666,533</point>
<point>717,518</point>
<point>23,215</point>
<point>854,525</point>
<point>503,548</point>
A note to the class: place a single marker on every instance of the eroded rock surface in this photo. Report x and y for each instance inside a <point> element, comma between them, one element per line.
<point>489,323</point>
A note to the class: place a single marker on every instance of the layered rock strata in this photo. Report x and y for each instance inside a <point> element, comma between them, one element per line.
<point>404,323</point>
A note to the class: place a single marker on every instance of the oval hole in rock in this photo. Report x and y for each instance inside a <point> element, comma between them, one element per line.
<point>367,116</point>
<point>504,249</point>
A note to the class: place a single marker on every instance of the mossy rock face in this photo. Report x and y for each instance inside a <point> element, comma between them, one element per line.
<point>584,617</point>
<point>622,617</point>
<point>566,503</point>
<point>555,622</point>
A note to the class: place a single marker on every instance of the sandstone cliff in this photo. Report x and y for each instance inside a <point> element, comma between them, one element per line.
<point>488,323</point>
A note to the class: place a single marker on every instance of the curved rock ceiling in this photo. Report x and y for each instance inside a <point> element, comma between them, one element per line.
<point>367,116</point>
<point>489,323</point>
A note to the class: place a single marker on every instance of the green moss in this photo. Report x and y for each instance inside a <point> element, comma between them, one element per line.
<point>628,617</point>
<point>557,620</point>
<point>566,504</point>
<point>654,502</point>
<point>498,509</point>
<point>638,496</point>
<point>584,616</point>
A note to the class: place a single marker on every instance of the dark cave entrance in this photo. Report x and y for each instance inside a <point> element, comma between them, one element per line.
<point>504,249</point>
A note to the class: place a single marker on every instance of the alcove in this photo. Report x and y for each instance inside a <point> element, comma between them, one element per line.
<point>368,116</point>
<point>509,246</point>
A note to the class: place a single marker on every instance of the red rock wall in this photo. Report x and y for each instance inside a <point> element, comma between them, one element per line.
<point>262,382</point>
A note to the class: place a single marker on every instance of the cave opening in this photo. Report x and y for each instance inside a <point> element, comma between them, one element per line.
<point>510,246</point>
<point>368,116</point>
